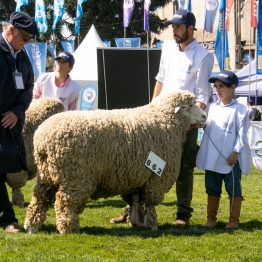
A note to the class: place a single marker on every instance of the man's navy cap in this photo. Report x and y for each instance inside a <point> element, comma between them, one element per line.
<point>182,17</point>
<point>226,77</point>
<point>66,56</point>
<point>25,22</point>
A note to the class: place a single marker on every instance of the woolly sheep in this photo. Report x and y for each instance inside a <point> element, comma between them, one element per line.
<point>38,111</point>
<point>82,155</point>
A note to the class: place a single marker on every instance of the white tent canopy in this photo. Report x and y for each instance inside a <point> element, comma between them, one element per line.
<point>250,83</point>
<point>85,55</point>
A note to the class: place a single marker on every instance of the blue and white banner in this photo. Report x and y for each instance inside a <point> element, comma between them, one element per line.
<point>52,50</point>
<point>189,8</point>
<point>259,38</point>
<point>128,42</point>
<point>107,43</point>
<point>221,43</point>
<point>37,55</point>
<point>87,97</point>
<point>58,12</point>
<point>128,8</point>
<point>210,14</point>
<point>19,3</point>
<point>40,16</point>
<point>147,4</point>
<point>68,45</point>
<point>181,4</point>
<point>79,14</point>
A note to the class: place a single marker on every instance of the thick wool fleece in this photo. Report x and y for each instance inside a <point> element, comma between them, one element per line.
<point>91,154</point>
<point>38,111</point>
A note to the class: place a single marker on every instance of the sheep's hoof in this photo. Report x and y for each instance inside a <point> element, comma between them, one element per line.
<point>30,230</point>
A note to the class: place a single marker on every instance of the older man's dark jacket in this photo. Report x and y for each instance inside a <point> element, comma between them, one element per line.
<point>12,99</point>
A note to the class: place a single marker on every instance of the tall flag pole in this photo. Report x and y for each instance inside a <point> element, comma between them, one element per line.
<point>19,3</point>
<point>259,38</point>
<point>210,15</point>
<point>58,12</point>
<point>79,14</point>
<point>128,8</point>
<point>189,8</point>
<point>40,16</point>
<point>221,43</point>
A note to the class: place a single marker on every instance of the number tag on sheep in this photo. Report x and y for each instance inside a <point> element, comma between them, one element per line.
<point>155,163</point>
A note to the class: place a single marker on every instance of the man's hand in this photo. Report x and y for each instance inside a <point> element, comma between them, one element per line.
<point>201,105</point>
<point>232,159</point>
<point>9,119</point>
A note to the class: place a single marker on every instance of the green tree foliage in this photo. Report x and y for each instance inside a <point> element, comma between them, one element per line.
<point>105,15</point>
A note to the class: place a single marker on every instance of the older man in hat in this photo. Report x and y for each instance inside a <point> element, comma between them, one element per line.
<point>16,86</point>
<point>184,65</point>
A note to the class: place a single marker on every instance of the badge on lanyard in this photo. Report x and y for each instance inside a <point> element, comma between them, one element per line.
<point>18,80</point>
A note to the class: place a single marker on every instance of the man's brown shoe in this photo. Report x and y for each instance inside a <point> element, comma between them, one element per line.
<point>12,228</point>
<point>121,219</point>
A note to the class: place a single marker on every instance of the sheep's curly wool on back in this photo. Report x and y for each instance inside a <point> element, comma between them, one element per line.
<point>102,153</point>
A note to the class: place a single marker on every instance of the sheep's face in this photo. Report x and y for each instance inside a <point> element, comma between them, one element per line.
<point>193,112</point>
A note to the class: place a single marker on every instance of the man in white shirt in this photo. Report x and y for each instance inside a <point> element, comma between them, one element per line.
<point>185,65</point>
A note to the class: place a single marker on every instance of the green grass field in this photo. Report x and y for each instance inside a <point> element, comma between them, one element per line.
<point>101,241</point>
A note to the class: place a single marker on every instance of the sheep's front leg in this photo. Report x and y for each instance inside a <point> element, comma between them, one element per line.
<point>136,217</point>
<point>150,217</point>
<point>36,211</point>
<point>18,197</point>
<point>68,206</point>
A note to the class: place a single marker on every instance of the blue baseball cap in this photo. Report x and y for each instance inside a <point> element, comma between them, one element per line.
<point>66,56</point>
<point>24,21</point>
<point>182,17</point>
<point>226,77</point>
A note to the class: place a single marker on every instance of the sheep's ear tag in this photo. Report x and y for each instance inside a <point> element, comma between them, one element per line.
<point>177,109</point>
<point>155,163</point>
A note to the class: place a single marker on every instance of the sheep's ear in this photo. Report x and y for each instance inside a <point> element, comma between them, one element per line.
<point>177,109</point>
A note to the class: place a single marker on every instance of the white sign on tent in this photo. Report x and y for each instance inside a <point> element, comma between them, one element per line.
<point>85,69</point>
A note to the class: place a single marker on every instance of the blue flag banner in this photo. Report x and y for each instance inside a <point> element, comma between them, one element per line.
<point>52,49</point>
<point>128,42</point>
<point>189,8</point>
<point>128,8</point>
<point>37,55</point>
<point>147,4</point>
<point>259,38</point>
<point>181,4</point>
<point>159,44</point>
<point>221,43</point>
<point>40,16</point>
<point>68,45</point>
<point>107,43</point>
<point>79,14</point>
<point>19,3</point>
<point>210,14</point>
<point>58,12</point>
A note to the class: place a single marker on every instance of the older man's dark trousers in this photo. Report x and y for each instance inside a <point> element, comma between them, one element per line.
<point>6,210</point>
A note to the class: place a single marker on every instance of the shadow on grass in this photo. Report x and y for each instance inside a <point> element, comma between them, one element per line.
<point>166,229</point>
<point>117,203</point>
<point>169,229</point>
